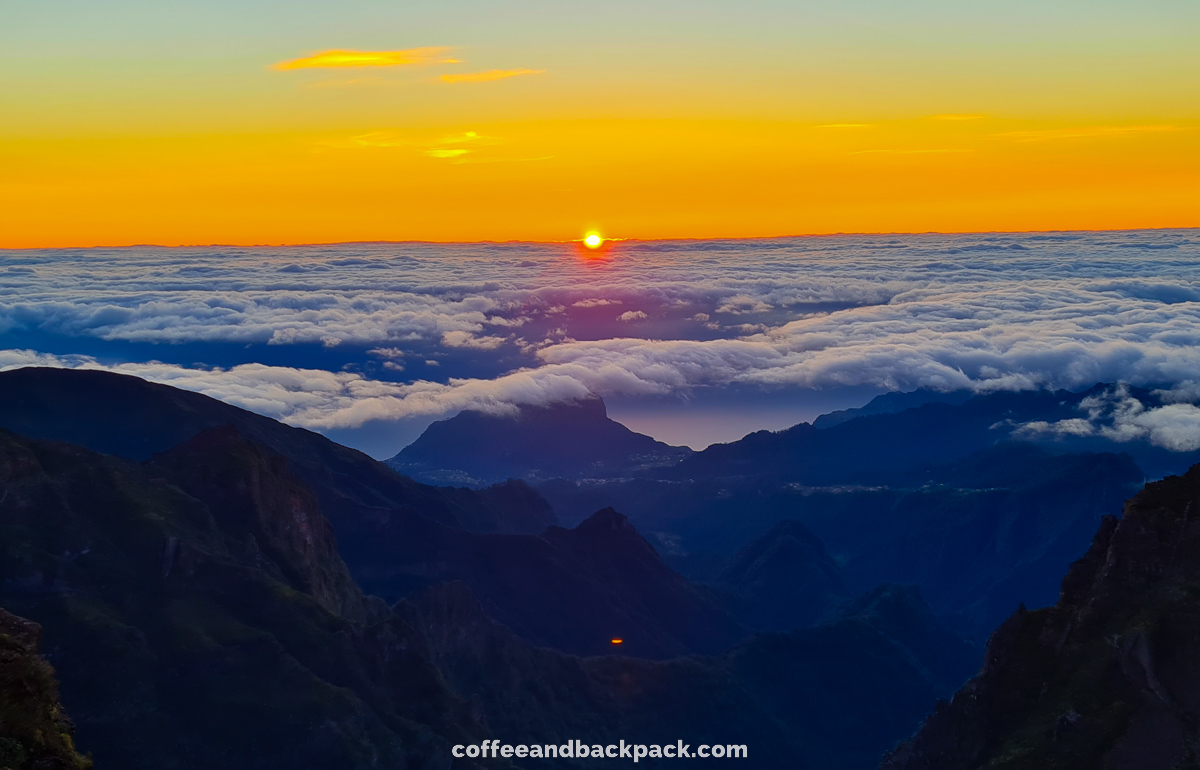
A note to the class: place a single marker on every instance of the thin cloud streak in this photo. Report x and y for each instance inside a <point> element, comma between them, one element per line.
<point>1087,132</point>
<point>346,58</point>
<point>488,76</point>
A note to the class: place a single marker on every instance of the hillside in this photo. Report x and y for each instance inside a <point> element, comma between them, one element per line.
<point>1105,678</point>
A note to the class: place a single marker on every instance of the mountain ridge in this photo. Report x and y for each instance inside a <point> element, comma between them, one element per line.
<point>1104,678</point>
<point>568,440</point>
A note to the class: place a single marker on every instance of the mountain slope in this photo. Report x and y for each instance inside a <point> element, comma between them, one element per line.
<point>833,697</point>
<point>878,446</point>
<point>394,534</point>
<point>784,579</point>
<point>569,440</point>
<point>978,535</point>
<point>1106,678</point>
<point>573,590</point>
<point>35,731</point>
<point>132,418</point>
<point>182,643</point>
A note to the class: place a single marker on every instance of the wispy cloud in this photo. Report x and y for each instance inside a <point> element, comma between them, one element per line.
<point>379,139</point>
<point>484,77</point>
<point>1082,132</point>
<point>466,136</point>
<point>933,151</point>
<point>346,58</point>
<point>364,82</point>
<point>446,153</point>
<point>451,147</point>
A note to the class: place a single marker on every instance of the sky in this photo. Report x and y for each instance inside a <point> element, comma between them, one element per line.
<point>690,341</point>
<point>270,122</point>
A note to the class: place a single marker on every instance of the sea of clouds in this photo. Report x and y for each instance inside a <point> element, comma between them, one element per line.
<point>330,337</point>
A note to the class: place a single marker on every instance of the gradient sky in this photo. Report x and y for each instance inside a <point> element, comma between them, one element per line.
<point>180,123</point>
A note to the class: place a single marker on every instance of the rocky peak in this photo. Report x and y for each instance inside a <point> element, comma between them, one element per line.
<point>784,579</point>
<point>1105,678</point>
<point>609,534</point>
<point>257,500</point>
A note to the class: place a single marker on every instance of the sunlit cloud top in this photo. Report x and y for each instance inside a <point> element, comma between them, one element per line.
<point>344,58</point>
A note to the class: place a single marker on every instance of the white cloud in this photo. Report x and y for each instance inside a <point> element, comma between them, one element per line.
<point>1117,415</point>
<point>986,313</point>
<point>461,339</point>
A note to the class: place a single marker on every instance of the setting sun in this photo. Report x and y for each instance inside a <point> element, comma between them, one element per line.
<point>593,241</point>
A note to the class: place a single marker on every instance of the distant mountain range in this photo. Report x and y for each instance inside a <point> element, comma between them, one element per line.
<point>896,439</point>
<point>215,588</point>
<point>202,600</point>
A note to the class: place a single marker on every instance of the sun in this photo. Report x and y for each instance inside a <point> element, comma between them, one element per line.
<point>593,240</point>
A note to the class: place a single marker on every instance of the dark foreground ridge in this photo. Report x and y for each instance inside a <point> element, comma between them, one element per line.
<point>1109,677</point>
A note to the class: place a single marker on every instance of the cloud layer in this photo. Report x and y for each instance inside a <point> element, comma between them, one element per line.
<point>532,323</point>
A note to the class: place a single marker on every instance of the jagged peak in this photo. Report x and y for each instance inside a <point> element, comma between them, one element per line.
<point>608,523</point>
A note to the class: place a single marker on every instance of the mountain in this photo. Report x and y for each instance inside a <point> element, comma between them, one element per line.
<point>132,418</point>
<point>255,499</point>
<point>879,446</point>
<point>198,612</point>
<point>784,579</point>
<point>1105,678</point>
<point>194,606</point>
<point>35,731</point>
<point>978,535</point>
<point>557,587</point>
<point>830,697</point>
<point>189,635</point>
<point>891,403</point>
<point>571,589</point>
<point>568,440</point>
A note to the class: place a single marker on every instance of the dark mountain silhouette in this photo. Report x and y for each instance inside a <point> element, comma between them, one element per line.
<point>567,440</point>
<point>35,731</point>
<point>129,417</point>
<point>571,589</point>
<point>891,403</point>
<point>559,588</point>
<point>191,635</point>
<point>255,499</point>
<point>979,534</point>
<point>829,697</point>
<point>199,616</point>
<point>883,447</point>
<point>784,579</point>
<point>1107,677</point>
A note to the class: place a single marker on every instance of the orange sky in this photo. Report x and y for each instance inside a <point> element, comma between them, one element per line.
<point>703,131</point>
